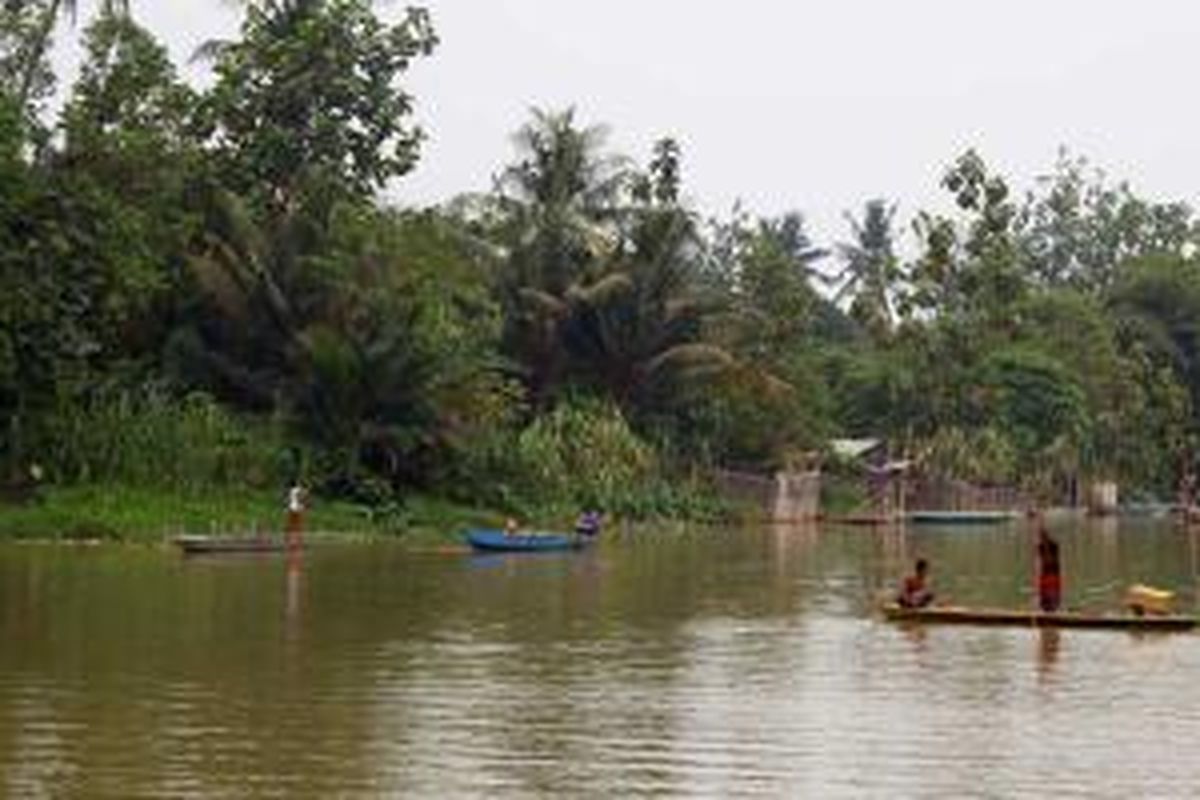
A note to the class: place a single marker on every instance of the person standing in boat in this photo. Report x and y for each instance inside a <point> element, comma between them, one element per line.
<point>915,591</point>
<point>1049,571</point>
<point>297,504</point>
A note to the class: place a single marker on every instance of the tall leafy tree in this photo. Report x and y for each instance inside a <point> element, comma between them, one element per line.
<point>374,336</point>
<point>26,32</point>
<point>970,267</point>
<point>768,267</point>
<point>1077,229</point>
<point>310,96</point>
<point>1156,301</point>
<point>128,133</point>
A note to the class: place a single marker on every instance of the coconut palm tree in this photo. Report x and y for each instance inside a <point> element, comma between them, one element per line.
<point>641,325</point>
<point>870,269</point>
<point>48,16</point>
<point>556,212</point>
<point>561,199</point>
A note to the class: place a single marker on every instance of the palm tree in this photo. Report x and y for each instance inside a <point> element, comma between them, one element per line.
<point>285,14</point>
<point>561,198</point>
<point>41,42</point>
<point>871,269</point>
<point>641,325</point>
<point>557,209</point>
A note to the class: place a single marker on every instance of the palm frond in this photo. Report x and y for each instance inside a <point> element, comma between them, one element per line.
<point>210,51</point>
<point>602,291</point>
<point>693,359</point>
<point>543,303</point>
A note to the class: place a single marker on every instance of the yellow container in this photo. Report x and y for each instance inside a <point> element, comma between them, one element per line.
<point>1142,599</point>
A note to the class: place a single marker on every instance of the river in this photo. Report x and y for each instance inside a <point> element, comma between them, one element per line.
<point>674,662</point>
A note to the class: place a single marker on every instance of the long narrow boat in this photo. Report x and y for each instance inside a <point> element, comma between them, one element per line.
<point>860,519</point>
<point>959,615</point>
<point>960,517</point>
<point>498,541</point>
<point>195,545</point>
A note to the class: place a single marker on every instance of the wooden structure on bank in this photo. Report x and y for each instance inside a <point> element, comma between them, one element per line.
<point>935,492</point>
<point>884,480</point>
<point>1102,498</point>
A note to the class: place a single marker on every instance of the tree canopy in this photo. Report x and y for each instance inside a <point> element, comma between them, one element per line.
<point>223,253</point>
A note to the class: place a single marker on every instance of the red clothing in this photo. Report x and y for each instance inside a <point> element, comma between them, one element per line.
<point>295,527</point>
<point>1050,591</point>
<point>1049,580</point>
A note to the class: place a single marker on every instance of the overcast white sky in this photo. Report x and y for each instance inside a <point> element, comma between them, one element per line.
<point>815,106</point>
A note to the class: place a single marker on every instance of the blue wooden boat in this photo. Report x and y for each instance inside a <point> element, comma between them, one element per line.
<point>960,517</point>
<point>493,540</point>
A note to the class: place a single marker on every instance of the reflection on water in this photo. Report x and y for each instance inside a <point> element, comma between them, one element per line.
<point>1049,643</point>
<point>697,662</point>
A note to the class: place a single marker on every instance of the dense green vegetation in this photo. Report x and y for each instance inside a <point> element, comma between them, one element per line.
<point>202,292</point>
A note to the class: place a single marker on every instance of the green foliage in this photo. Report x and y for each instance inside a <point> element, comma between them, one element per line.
<point>553,221</point>
<point>75,276</point>
<point>139,514</point>
<point>984,455</point>
<point>400,369</point>
<point>149,439</point>
<point>26,30</point>
<point>879,392</point>
<point>1034,401</point>
<point>377,343</point>
<point>1157,301</point>
<point>972,267</point>
<point>309,96</point>
<point>871,270</point>
<point>1078,230</point>
<point>580,454</point>
<point>766,267</point>
<point>581,335</point>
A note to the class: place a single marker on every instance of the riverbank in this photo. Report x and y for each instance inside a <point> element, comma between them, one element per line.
<point>125,514</point>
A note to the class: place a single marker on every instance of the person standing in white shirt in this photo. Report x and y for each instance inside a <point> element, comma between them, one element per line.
<point>297,503</point>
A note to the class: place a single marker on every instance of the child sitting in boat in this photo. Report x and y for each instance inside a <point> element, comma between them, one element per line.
<point>915,591</point>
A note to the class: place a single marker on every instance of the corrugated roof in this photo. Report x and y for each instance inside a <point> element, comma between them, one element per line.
<point>853,448</point>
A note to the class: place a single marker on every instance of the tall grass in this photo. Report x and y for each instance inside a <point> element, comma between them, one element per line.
<point>148,438</point>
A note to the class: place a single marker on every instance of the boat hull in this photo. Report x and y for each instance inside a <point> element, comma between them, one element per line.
<point>194,545</point>
<point>960,517</point>
<point>957,615</point>
<point>497,541</point>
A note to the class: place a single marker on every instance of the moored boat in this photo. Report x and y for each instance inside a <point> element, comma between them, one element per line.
<point>499,541</point>
<point>1036,619</point>
<point>193,545</point>
<point>960,517</point>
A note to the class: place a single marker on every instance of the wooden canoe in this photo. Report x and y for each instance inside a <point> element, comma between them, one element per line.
<point>1036,619</point>
<point>491,540</point>
<point>861,519</point>
<point>194,545</point>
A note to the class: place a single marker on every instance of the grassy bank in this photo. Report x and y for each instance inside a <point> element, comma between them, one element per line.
<point>118,513</point>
